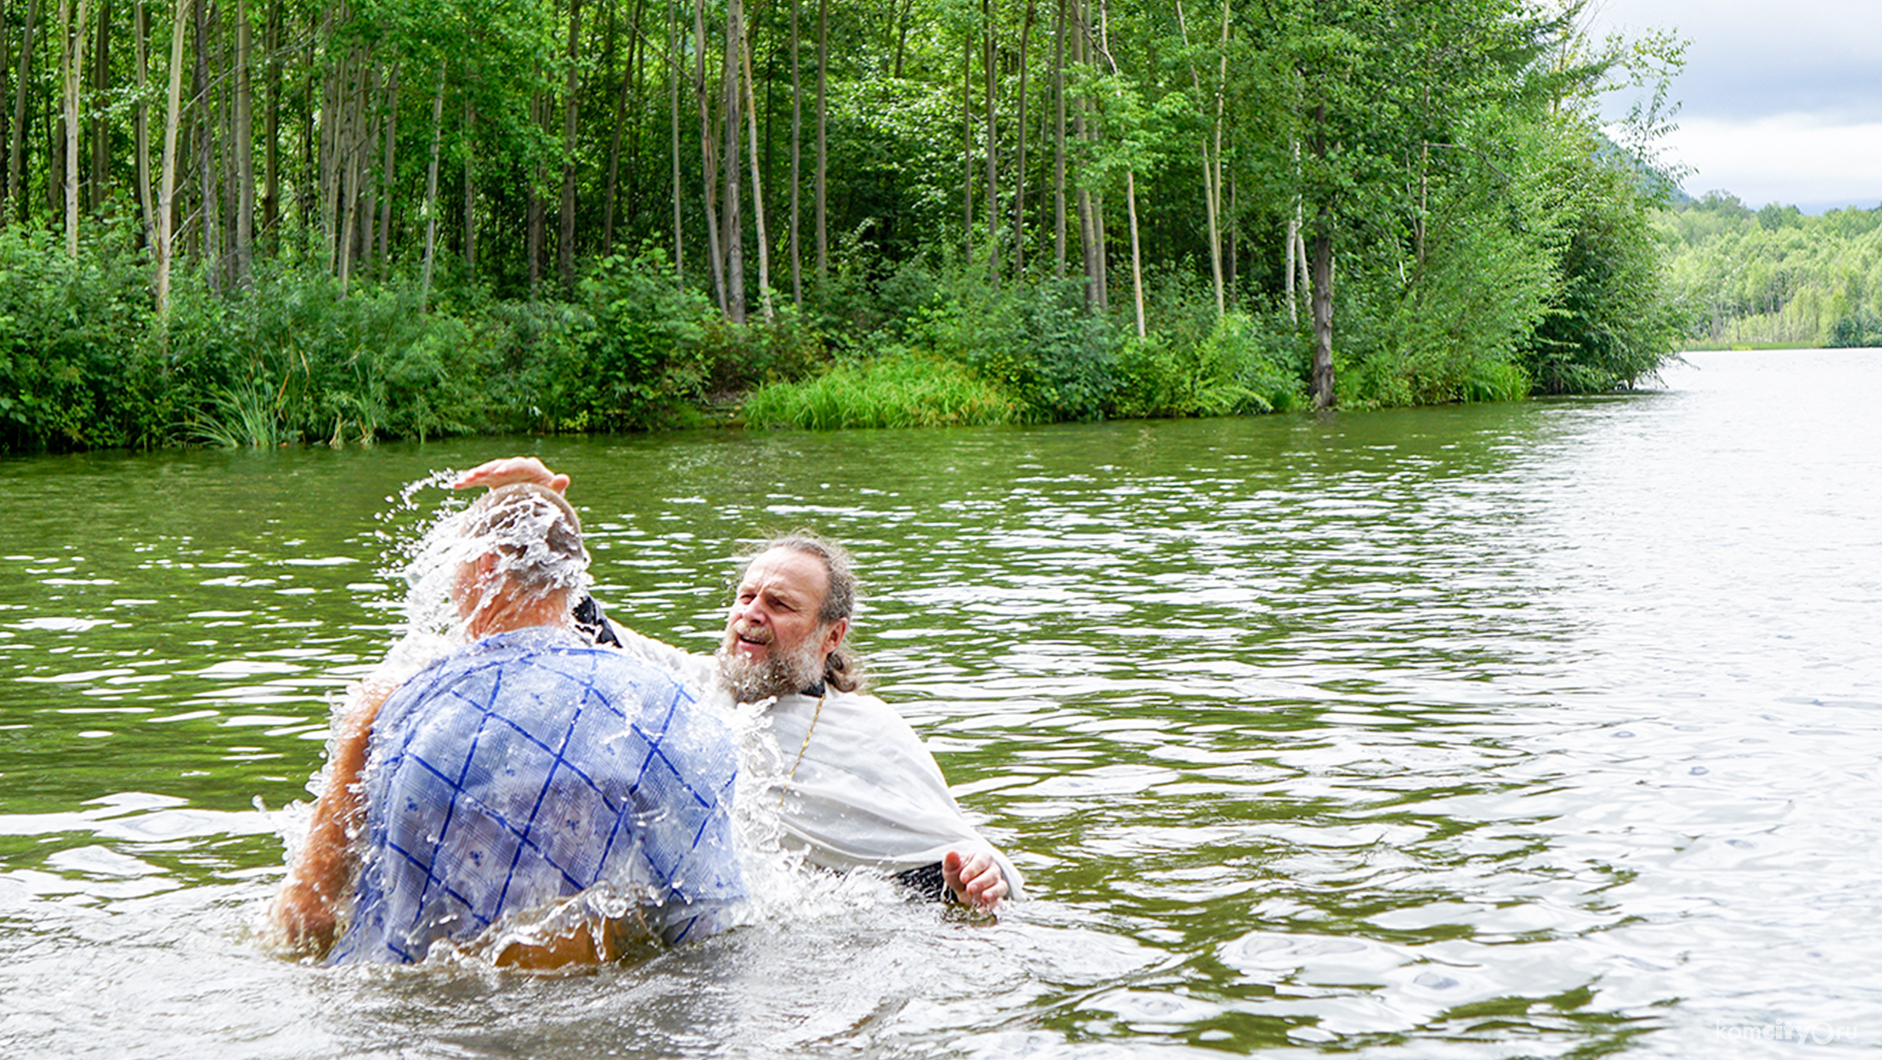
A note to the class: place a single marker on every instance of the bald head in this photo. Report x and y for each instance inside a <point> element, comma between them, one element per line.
<point>533,536</point>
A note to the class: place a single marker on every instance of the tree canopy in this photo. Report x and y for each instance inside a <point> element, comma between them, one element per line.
<point>1418,201</point>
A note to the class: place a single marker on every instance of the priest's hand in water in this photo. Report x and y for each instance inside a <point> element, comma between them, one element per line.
<point>974,879</point>
<point>510,470</point>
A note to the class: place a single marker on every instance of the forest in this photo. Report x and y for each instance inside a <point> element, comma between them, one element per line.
<point>1774,276</point>
<point>251,222</point>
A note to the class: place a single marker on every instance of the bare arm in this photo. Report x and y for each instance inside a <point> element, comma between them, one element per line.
<point>307,909</point>
<point>510,470</point>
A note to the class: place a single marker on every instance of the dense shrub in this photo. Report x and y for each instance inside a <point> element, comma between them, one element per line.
<point>1037,343</point>
<point>287,358</point>
<point>1614,321</point>
<point>1237,367</point>
<point>75,372</point>
<point>1861,328</point>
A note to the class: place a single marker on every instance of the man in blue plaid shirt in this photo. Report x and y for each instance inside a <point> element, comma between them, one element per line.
<point>530,796</point>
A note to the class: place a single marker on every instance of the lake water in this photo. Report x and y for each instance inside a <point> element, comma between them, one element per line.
<point>1545,729</point>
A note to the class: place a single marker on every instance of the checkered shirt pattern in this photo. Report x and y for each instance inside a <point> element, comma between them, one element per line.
<point>532,766</point>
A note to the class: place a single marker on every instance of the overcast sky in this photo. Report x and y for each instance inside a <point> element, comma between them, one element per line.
<point>1780,101</point>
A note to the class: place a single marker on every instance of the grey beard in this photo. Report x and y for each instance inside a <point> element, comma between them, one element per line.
<point>777,675</point>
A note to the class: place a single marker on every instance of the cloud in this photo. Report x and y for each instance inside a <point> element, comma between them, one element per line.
<point>1795,159</point>
<point>1778,102</point>
<point>1746,61</point>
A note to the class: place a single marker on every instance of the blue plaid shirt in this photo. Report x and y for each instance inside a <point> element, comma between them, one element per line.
<point>531,766</point>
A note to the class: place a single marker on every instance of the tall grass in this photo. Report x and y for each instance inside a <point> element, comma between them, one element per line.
<point>237,418</point>
<point>892,391</point>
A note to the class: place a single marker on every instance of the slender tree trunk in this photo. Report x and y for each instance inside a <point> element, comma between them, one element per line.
<point>244,148</point>
<point>708,167</point>
<point>1019,167</point>
<point>354,142</point>
<point>99,185</point>
<point>6,92</point>
<point>1130,182</point>
<point>470,188</point>
<point>637,109</point>
<point>367,210</point>
<point>16,156</point>
<point>1322,384</point>
<point>797,153</point>
<point>1090,218</point>
<point>140,33</point>
<point>533,208</point>
<point>1287,254</point>
<point>332,118</point>
<point>614,142</point>
<point>1137,258</point>
<point>310,196</point>
<point>271,124</point>
<point>673,83</point>
<point>571,124</point>
<point>823,152</point>
<point>757,195</point>
<point>967,144</point>
<point>733,228</point>
<point>1058,133</point>
<point>431,187</point>
<point>166,237</point>
<point>901,36</point>
<point>72,62</point>
<point>1210,200</point>
<point>389,168</point>
<point>208,210</point>
<point>990,64</point>
<point>1221,101</point>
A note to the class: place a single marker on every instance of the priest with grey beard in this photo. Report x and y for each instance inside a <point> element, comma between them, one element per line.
<point>855,787</point>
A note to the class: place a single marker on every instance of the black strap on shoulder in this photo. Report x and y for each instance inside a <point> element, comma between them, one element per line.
<point>591,621</point>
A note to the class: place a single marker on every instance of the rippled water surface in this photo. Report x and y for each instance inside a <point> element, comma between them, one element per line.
<point>1546,729</point>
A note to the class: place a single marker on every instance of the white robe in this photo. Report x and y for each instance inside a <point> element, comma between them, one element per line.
<point>865,794</point>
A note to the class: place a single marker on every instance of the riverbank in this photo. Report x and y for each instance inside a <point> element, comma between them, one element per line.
<point>299,357</point>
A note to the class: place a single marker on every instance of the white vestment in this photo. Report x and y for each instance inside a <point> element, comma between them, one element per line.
<point>864,794</point>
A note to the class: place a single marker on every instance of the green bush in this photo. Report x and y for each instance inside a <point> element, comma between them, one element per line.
<point>74,373</point>
<point>641,341</point>
<point>287,358</point>
<point>1038,343</point>
<point>740,357</point>
<point>1235,368</point>
<point>1861,328</point>
<point>1615,320</point>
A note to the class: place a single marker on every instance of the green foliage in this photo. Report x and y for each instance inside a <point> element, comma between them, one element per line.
<point>896,390</point>
<point>289,359</point>
<point>1772,276</point>
<point>73,371</point>
<point>1486,279</point>
<point>1482,238</point>
<point>1861,328</point>
<point>640,339</point>
<point>1237,367</point>
<point>1615,320</point>
<point>742,357</point>
<point>1037,343</point>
